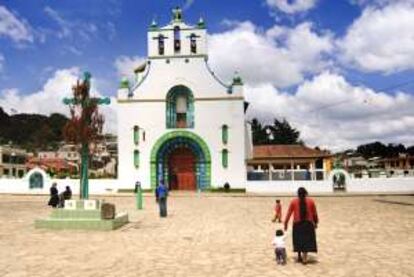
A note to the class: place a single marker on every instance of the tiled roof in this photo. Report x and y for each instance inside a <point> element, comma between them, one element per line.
<point>287,151</point>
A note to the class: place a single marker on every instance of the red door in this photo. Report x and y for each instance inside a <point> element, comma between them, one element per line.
<point>181,166</point>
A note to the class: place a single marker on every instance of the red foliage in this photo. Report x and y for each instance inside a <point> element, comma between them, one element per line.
<point>85,124</point>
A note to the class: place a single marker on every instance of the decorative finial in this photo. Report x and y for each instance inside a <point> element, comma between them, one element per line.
<point>124,83</point>
<point>87,76</point>
<point>237,80</point>
<point>201,23</point>
<point>154,23</point>
<point>177,14</point>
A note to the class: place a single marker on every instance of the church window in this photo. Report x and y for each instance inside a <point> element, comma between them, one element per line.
<point>136,135</point>
<point>225,158</point>
<point>161,45</point>
<point>180,108</point>
<point>177,40</point>
<point>193,44</point>
<point>225,134</point>
<point>136,158</point>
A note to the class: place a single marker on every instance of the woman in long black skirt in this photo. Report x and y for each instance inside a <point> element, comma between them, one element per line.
<point>305,221</point>
<point>54,196</point>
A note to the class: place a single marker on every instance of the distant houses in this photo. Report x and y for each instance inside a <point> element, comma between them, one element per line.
<point>62,163</point>
<point>12,162</point>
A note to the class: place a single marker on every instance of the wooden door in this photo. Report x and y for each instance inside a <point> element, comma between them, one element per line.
<point>182,169</point>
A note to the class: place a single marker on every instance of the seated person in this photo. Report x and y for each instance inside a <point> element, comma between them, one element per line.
<point>66,195</point>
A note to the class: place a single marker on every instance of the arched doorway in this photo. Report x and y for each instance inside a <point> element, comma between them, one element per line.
<point>182,160</point>
<point>36,180</point>
<point>182,169</point>
<point>339,178</point>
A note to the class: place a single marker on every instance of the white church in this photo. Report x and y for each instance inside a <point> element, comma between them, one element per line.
<point>178,122</point>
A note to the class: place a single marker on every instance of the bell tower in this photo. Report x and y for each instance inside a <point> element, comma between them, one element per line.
<point>177,39</point>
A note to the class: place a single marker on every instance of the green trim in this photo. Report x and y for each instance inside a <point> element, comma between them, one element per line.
<point>171,100</point>
<point>225,158</point>
<point>136,158</point>
<point>225,134</point>
<point>124,83</point>
<point>172,135</point>
<point>136,135</point>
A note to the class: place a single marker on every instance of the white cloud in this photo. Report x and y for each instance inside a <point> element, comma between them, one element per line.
<point>332,113</point>
<point>71,28</point>
<point>49,99</point>
<point>378,2</point>
<point>279,55</point>
<point>188,4</point>
<point>125,65</point>
<point>13,27</point>
<point>292,6</point>
<point>381,39</point>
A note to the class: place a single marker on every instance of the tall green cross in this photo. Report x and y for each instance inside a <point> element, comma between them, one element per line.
<point>85,102</point>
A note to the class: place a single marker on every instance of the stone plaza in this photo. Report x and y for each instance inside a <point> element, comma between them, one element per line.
<point>210,235</point>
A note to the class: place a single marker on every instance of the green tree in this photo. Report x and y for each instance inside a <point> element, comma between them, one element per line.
<point>280,132</point>
<point>258,133</point>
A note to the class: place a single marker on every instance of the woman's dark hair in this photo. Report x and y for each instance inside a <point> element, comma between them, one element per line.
<point>279,233</point>
<point>302,193</point>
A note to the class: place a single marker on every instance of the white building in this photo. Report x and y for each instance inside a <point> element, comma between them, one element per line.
<point>178,122</point>
<point>12,162</point>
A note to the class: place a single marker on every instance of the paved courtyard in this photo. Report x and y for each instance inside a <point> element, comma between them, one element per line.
<point>211,235</point>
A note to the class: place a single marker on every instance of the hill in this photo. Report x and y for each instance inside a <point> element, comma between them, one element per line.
<point>32,131</point>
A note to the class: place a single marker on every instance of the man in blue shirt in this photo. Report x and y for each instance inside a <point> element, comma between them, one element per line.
<point>161,194</point>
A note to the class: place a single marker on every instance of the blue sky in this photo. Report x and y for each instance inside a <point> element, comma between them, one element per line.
<point>320,43</point>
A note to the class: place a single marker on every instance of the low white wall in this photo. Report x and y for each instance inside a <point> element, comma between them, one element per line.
<point>289,187</point>
<point>96,186</point>
<point>400,184</point>
<point>367,185</point>
<point>111,186</point>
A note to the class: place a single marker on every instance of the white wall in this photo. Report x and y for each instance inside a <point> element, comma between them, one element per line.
<point>368,185</point>
<point>96,186</point>
<point>401,184</point>
<point>288,187</point>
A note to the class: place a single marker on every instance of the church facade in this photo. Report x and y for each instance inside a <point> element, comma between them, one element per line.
<point>178,123</point>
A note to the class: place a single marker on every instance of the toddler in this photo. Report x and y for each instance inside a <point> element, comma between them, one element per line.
<point>279,244</point>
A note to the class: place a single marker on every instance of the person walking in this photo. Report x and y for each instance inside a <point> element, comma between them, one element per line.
<point>305,221</point>
<point>277,217</point>
<point>54,196</point>
<point>161,194</point>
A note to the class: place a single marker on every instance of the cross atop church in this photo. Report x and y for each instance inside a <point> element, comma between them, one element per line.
<point>177,14</point>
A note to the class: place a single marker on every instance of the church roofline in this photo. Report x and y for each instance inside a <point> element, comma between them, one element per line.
<point>177,57</point>
<point>228,98</point>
